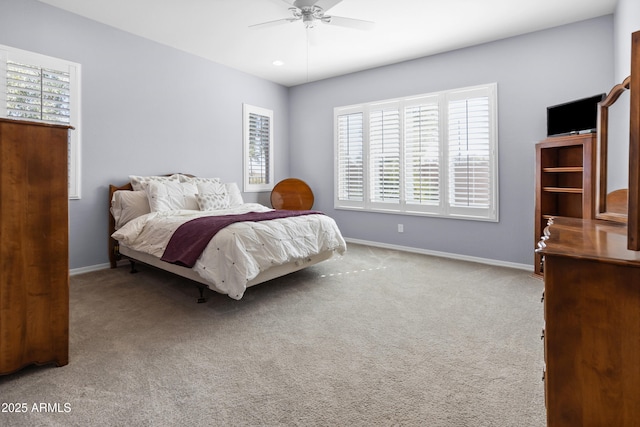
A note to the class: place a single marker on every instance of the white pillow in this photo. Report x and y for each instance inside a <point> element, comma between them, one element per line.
<point>212,196</point>
<point>235,196</point>
<point>140,183</point>
<point>208,187</point>
<point>127,205</point>
<point>171,195</point>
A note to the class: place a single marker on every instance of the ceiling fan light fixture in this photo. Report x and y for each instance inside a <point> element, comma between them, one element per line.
<point>310,13</point>
<point>309,23</point>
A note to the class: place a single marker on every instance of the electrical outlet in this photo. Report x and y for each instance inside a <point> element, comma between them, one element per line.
<point>400,228</point>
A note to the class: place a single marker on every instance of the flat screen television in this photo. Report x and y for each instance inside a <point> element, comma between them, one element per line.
<point>579,116</point>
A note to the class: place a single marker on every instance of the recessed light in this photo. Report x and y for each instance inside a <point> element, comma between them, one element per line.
<point>278,63</point>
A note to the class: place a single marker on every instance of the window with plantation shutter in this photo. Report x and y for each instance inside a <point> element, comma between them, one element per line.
<point>41,88</point>
<point>470,153</point>
<point>431,154</point>
<point>38,93</point>
<point>258,149</point>
<point>384,155</point>
<point>422,153</point>
<point>349,158</point>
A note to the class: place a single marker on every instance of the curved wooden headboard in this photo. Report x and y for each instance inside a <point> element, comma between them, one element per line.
<point>292,194</point>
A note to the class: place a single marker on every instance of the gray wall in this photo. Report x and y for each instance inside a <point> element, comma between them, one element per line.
<point>627,21</point>
<point>146,109</point>
<point>532,71</point>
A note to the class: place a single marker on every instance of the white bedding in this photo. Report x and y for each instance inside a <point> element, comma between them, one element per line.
<point>239,252</point>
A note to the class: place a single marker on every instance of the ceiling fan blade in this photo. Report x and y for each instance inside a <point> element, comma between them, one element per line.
<point>273,23</point>
<point>358,24</point>
<point>327,4</point>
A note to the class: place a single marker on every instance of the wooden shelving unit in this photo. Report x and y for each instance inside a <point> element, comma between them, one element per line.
<point>564,169</point>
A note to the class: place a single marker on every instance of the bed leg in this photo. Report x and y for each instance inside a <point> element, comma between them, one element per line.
<point>133,267</point>
<point>202,297</point>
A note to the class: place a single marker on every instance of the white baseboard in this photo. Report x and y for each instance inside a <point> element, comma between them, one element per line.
<point>443,254</point>
<point>88,269</point>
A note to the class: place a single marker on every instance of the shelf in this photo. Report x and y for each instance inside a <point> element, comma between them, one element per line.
<point>562,190</point>
<point>563,169</point>
<point>564,187</point>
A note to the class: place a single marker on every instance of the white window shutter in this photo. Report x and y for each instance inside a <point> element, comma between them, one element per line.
<point>422,154</point>
<point>384,155</point>
<point>37,93</point>
<point>469,153</point>
<point>258,149</point>
<point>350,157</point>
<point>259,131</point>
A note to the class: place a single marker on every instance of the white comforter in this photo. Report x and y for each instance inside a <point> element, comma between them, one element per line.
<point>239,252</point>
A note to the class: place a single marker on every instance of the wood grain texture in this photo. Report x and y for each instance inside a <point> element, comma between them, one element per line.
<point>592,324</point>
<point>34,285</point>
<point>634,146</point>
<point>564,185</point>
<point>292,194</point>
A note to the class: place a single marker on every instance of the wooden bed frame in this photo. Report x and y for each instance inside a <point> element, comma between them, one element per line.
<point>119,252</point>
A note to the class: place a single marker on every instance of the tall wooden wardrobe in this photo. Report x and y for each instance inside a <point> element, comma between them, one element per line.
<point>34,259</point>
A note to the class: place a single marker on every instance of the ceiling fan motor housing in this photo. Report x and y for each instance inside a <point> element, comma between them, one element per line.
<point>311,14</point>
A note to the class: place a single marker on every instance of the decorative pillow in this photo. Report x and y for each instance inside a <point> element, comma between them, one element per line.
<point>127,205</point>
<point>171,195</point>
<point>140,183</point>
<point>214,196</point>
<point>235,197</point>
<point>212,201</point>
<point>197,180</point>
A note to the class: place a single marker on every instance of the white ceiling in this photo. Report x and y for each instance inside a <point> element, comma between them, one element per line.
<point>404,29</point>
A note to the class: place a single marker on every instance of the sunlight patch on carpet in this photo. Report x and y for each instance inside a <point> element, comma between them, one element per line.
<point>352,272</point>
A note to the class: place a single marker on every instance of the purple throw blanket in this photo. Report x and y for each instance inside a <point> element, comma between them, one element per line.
<point>190,239</point>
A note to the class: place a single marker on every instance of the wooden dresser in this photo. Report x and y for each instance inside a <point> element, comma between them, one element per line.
<point>592,324</point>
<point>34,275</point>
<point>592,292</point>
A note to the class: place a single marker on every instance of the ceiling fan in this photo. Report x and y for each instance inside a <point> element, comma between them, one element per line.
<point>310,12</point>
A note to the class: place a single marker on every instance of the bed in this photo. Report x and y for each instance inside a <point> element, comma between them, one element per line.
<point>201,229</point>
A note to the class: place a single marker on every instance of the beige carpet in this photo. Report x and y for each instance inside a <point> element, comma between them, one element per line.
<point>376,338</point>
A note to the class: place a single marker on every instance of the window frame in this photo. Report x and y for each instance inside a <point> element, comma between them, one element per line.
<point>247,112</point>
<point>74,69</point>
<point>443,207</point>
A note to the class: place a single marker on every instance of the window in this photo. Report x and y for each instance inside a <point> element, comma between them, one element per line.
<point>258,148</point>
<point>41,88</point>
<point>432,154</point>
